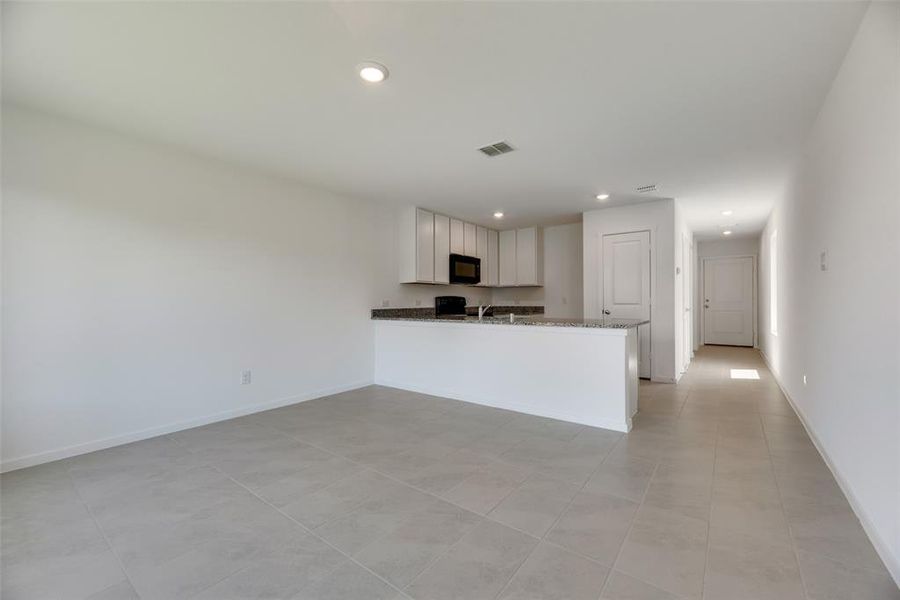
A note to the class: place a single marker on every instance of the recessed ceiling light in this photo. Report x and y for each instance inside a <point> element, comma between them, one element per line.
<point>727,213</point>
<point>726,232</point>
<point>498,215</point>
<point>602,196</point>
<point>372,72</point>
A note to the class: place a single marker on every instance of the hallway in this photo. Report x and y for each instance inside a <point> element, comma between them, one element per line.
<point>733,453</point>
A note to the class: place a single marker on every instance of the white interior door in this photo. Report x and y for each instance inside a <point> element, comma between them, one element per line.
<point>626,285</point>
<point>728,301</point>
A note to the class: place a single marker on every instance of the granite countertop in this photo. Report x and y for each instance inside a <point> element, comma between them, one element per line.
<point>534,320</point>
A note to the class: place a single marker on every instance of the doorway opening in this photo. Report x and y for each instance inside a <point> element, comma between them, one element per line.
<point>729,301</point>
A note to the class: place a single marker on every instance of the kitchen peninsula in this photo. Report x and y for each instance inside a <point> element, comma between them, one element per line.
<point>579,370</point>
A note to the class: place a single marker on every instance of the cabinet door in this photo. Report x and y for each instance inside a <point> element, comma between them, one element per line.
<point>481,247</point>
<point>507,244</point>
<point>441,249</point>
<point>492,266</point>
<point>526,265</point>
<point>424,245</point>
<point>471,244</point>
<point>457,237</point>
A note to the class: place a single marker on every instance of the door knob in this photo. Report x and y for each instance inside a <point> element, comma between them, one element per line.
<point>605,311</point>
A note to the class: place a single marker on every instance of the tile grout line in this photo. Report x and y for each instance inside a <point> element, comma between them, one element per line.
<point>556,521</point>
<point>180,444</point>
<point>184,446</point>
<point>301,525</point>
<point>787,521</point>
<point>101,532</point>
<point>712,485</point>
<point>631,526</point>
<point>484,517</point>
<point>392,478</point>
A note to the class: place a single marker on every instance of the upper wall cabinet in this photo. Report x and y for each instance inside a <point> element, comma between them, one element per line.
<point>507,260</point>
<point>521,257</point>
<point>457,237</point>
<point>416,246</point>
<point>491,272</point>
<point>441,249</point>
<point>529,256</point>
<point>427,239</point>
<point>471,244</point>
<point>481,251</point>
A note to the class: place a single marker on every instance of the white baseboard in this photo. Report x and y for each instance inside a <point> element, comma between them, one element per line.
<point>38,458</point>
<point>623,426</point>
<point>891,562</point>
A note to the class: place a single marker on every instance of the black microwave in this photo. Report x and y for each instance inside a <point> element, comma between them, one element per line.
<point>465,269</point>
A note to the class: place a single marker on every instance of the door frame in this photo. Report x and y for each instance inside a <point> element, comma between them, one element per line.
<point>755,292</point>
<point>687,288</point>
<point>600,297</point>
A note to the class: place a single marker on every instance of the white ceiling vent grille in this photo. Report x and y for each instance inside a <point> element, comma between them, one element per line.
<point>644,189</point>
<point>496,149</point>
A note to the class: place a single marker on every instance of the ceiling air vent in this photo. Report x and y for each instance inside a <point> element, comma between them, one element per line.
<point>645,188</point>
<point>496,149</point>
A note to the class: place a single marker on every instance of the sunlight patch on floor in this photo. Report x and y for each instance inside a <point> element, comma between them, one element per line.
<point>744,374</point>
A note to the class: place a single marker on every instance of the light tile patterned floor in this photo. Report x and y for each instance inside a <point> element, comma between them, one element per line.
<point>380,493</point>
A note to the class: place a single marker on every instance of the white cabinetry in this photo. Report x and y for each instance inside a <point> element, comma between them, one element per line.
<point>416,246</point>
<point>427,239</point>
<point>507,260</point>
<point>490,270</point>
<point>521,257</point>
<point>457,237</point>
<point>470,243</point>
<point>481,247</point>
<point>441,249</point>
<point>529,256</point>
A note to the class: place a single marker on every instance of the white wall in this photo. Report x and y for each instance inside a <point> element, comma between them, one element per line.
<point>743,246</point>
<point>659,218</point>
<point>841,327</point>
<point>562,294</point>
<point>140,280</point>
<point>682,317</point>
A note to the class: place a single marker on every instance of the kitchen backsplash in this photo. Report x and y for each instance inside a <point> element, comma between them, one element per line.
<point>471,310</point>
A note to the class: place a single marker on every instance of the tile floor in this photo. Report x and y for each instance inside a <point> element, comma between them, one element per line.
<point>380,493</point>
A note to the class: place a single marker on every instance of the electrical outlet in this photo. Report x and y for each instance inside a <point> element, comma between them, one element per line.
<point>565,300</point>
<point>245,377</point>
<point>418,303</point>
<point>823,260</point>
<point>385,303</point>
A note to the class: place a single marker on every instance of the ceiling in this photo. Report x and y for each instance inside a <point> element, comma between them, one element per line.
<point>711,101</point>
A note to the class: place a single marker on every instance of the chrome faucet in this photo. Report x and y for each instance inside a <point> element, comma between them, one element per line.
<point>482,310</point>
